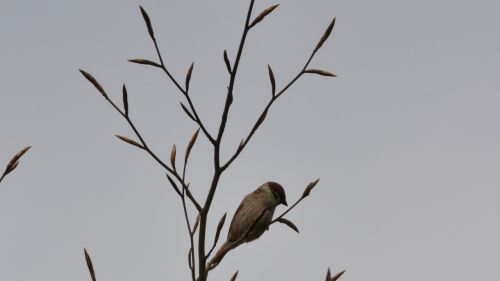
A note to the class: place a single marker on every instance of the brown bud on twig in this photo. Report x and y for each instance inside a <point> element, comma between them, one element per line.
<point>94,82</point>
<point>234,276</point>
<point>125,99</point>
<point>14,162</point>
<point>240,146</point>
<point>188,75</point>
<point>337,276</point>
<point>191,144</point>
<point>145,62</point>
<point>10,169</point>
<point>320,72</point>
<point>129,141</point>
<point>187,112</point>
<point>173,153</point>
<point>219,228</point>
<point>226,61</point>
<point>289,224</point>
<point>325,36</point>
<point>328,275</point>
<point>172,182</point>
<point>309,187</point>
<point>262,15</point>
<point>89,265</point>
<point>273,80</point>
<point>148,23</point>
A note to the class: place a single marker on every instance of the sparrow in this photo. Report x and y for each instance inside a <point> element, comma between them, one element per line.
<point>252,218</point>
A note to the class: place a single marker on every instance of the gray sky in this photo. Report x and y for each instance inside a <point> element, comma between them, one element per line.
<point>406,141</point>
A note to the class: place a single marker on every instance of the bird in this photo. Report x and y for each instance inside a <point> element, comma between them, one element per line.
<point>252,218</point>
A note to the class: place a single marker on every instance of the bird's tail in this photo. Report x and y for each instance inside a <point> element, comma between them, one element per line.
<point>223,250</point>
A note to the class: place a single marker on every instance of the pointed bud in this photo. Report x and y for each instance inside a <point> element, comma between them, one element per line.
<point>129,141</point>
<point>15,158</point>
<point>148,23</point>
<point>234,276</point>
<point>172,182</point>
<point>89,264</point>
<point>262,15</point>
<point>11,168</point>
<point>320,72</point>
<point>337,276</point>
<point>309,187</point>
<point>289,224</point>
<point>242,143</point>
<point>187,112</point>
<point>226,61</point>
<point>125,99</point>
<point>273,80</point>
<point>191,144</point>
<point>188,75</point>
<point>325,36</point>
<point>94,82</point>
<point>219,228</point>
<point>173,153</point>
<point>145,62</point>
<point>328,275</point>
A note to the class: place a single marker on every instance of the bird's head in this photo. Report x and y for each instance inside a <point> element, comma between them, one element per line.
<point>278,192</point>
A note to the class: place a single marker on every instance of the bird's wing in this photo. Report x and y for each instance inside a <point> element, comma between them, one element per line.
<point>234,234</point>
<point>246,214</point>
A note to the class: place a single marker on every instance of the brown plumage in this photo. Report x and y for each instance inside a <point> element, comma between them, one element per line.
<point>252,218</point>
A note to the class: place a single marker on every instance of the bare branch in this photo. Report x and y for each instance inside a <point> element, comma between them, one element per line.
<point>185,92</point>
<point>192,263</point>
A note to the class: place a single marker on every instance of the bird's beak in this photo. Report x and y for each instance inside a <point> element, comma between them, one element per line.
<point>284,203</point>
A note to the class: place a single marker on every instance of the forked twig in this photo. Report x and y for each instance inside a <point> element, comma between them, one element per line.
<point>216,141</point>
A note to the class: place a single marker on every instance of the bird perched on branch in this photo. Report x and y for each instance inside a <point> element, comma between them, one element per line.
<point>252,218</point>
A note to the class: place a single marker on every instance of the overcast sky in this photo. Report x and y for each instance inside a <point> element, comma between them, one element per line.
<point>406,140</point>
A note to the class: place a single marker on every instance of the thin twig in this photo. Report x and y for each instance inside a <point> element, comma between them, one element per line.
<point>203,273</point>
<point>155,157</point>
<point>287,210</point>
<point>190,232</point>
<point>265,111</point>
<point>185,92</point>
